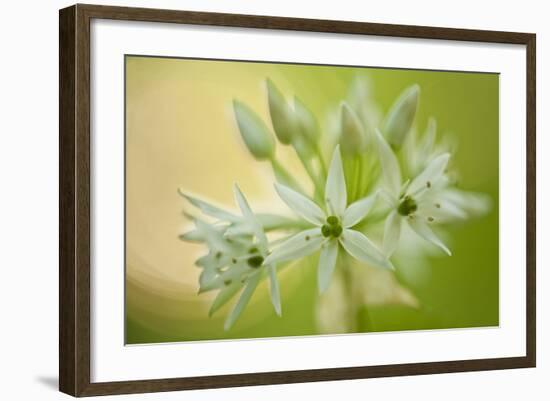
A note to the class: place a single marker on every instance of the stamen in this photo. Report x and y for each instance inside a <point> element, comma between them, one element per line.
<point>429,184</point>
<point>218,254</point>
<point>227,282</point>
<point>430,219</point>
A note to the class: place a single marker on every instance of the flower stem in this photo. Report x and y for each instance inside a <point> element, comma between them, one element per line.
<point>315,179</point>
<point>284,177</point>
<point>347,276</point>
<point>321,161</point>
<point>358,313</point>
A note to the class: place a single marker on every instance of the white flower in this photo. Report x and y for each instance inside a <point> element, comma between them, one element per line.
<point>332,226</point>
<point>231,224</point>
<point>236,256</point>
<point>419,202</point>
<point>418,153</point>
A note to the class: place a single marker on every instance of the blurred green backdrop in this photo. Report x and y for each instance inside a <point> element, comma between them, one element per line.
<point>180,132</point>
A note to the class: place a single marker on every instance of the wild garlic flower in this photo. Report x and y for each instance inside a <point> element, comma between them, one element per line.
<point>332,227</point>
<point>419,202</point>
<point>237,252</point>
<point>418,152</point>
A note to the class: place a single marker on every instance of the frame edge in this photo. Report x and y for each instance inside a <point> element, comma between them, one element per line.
<point>67,131</point>
<point>74,200</point>
<point>531,201</point>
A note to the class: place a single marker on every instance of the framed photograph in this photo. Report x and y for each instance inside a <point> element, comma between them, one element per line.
<point>250,200</point>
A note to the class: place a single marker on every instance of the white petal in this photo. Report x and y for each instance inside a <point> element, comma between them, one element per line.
<point>224,296</point>
<point>233,274</point>
<point>208,208</point>
<point>358,210</point>
<point>273,221</point>
<point>301,205</point>
<point>429,140</point>
<point>302,244</point>
<point>431,174</point>
<point>421,228</point>
<point>472,203</point>
<point>391,172</point>
<point>207,277</point>
<point>243,203</point>
<point>274,289</point>
<point>243,300</point>
<point>440,210</point>
<point>327,263</point>
<point>193,236</point>
<point>392,233</point>
<point>361,248</point>
<point>251,218</point>
<point>390,199</point>
<point>335,190</point>
<point>239,229</point>
<point>213,235</point>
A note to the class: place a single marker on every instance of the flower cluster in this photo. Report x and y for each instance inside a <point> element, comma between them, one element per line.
<point>381,172</point>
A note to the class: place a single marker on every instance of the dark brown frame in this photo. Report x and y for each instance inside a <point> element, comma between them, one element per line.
<point>74,199</point>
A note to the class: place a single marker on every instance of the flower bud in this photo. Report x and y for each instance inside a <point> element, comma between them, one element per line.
<point>353,139</point>
<point>281,114</point>
<point>256,136</point>
<point>306,123</point>
<point>401,116</point>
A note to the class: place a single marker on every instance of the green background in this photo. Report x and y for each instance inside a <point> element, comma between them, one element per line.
<point>180,133</point>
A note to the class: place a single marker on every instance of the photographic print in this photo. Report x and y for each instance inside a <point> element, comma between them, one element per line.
<point>271,199</point>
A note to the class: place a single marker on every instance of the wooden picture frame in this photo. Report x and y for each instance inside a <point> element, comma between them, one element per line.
<point>74,199</point>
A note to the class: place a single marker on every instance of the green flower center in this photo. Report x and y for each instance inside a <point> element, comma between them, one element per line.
<point>332,228</point>
<point>407,206</point>
<point>255,261</point>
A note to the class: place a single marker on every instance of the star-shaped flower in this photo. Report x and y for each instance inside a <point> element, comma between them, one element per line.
<point>332,227</point>
<point>419,202</point>
<point>236,256</point>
